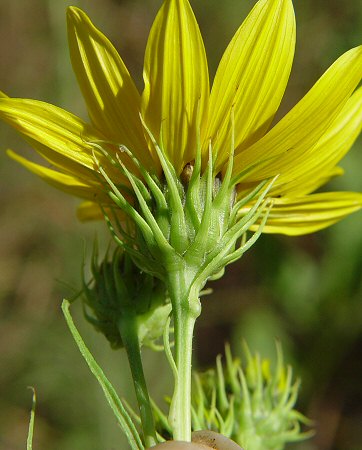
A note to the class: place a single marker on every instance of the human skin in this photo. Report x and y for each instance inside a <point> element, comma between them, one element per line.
<point>201,440</point>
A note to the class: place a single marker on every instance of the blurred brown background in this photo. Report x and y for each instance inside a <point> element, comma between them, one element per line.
<point>305,291</point>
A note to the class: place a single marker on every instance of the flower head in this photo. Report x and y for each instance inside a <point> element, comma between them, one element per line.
<point>119,293</point>
<point>177,108</point>
<point>251,402</point>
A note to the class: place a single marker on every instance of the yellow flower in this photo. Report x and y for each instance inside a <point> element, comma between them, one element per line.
<point>303,148</point>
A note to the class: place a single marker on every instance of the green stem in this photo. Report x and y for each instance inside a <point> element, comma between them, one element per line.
<point>186,309</point>
<point>128,330</point>
<point>181,400</point>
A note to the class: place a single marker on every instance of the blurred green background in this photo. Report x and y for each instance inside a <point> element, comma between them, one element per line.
<point>305,291</point>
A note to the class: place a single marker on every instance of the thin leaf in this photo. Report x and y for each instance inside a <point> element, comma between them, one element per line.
<point>120,412</point>
<point>29,441</point>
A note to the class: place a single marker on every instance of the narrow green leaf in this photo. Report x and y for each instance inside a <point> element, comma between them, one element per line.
<point>122,416</point>
<point>29,441</point>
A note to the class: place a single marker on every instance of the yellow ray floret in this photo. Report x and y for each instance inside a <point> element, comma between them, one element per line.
<point>306,214</point>
<point>111,96</point>
<point>175,98</point>
<point>252,75</point>
<point>61,181</point>
<point>301,129</point>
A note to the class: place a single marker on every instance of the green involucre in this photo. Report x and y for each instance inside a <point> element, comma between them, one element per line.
<point>119,289</point>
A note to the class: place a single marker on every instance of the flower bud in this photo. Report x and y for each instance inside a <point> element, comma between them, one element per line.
<point>120,290</point>
<point>250,402</point>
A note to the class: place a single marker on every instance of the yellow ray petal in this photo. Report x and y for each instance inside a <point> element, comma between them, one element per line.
<point>310,213</point>
<point>84,174</point>
<point>89,211</point>
<point>305,175</point>
<point>296,190</point>
<point>112,98</point>
<point>311,183</point>
<point>53,127</point>
<point>66,183</point>
<point>302,128</point>
<point>176,81</point>
<point>252,75</point>
<point>59,137</point>
<point>62,162</point>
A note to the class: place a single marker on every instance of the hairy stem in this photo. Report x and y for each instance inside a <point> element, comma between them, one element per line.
<point>186,309</point>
